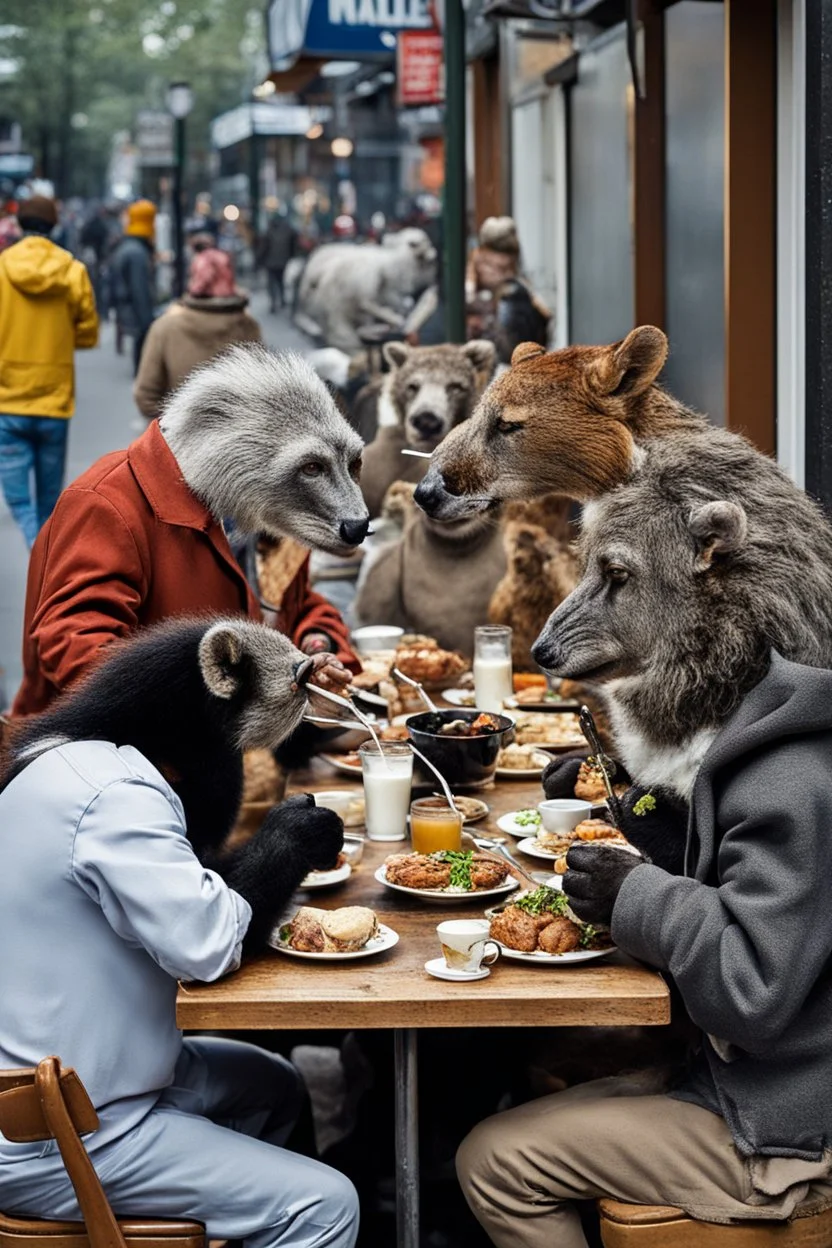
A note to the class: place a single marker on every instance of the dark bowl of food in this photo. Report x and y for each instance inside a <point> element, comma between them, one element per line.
<point>463,745</point>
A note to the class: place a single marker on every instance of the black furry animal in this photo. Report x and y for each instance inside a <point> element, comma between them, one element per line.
<point>191,695</point>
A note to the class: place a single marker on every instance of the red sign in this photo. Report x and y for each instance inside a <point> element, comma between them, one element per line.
<point>421,68</point>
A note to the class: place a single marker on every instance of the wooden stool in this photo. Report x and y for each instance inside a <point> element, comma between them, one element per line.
<point>660,1226</point>
<point>47,1103</point>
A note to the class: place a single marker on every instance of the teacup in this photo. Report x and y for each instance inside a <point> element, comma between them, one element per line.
<point>465,945</point>
<point>563,814</point>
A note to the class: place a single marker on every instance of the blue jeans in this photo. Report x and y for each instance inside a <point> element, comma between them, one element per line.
<point>32,458</point>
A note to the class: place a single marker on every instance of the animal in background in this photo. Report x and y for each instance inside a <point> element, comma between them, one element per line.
<point>433,579</point>
<point>347,285</point>
<point>495,259</point>
<point>190,695</point>
<point>541,571</point>
<point>427,392</point>
<point>564,422</point>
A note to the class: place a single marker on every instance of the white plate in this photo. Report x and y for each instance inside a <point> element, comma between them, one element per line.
<point>439,969</point>
<point>539,958</point>
<point>530,846</point>
<point>326,879</point>
<point>385,939</point>
<point>507,823</point>
<point>526,773</point>
<point>440,894</point>
<point>460,697</point>
<point>336,761</point>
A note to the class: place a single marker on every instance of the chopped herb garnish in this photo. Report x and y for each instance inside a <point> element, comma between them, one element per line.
<point>460,863</point>
<point>541,900</point>
<point>285,932</point>
<point>527,818</point>
<point>645,803</point>
<point>588,935</point>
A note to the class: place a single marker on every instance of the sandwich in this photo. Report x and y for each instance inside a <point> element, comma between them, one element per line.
<point>345,930</point>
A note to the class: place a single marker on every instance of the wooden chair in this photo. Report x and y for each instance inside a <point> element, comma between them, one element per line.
<point>47,1103</point>
<point>660,1226</point>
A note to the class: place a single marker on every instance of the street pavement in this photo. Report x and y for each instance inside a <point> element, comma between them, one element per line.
<point>105,420</point>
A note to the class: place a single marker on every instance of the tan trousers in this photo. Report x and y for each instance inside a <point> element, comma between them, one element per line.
<point>521,1170</point>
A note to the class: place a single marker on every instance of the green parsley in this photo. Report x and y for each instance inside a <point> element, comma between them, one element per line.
<point>527,818</point>
<point>460,864</point>
<point>541,900</point>
<point>644,804</point>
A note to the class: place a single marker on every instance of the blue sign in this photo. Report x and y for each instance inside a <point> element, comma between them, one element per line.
<point>341,29</point>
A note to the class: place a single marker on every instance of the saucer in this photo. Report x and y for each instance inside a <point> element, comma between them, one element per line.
<point>438,968</point>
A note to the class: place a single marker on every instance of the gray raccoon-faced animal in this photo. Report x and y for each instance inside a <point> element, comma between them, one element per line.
<point>259,439</point>
<point>191,695</point>
<point>427,392</point>
<point>435,579</point>
<point>699,566</point>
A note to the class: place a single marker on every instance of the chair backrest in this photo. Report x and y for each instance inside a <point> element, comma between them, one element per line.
<point>47,1103</point>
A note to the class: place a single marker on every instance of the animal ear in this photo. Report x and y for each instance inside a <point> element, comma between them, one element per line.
<point>630,366</point>
<point>718,529</point>
<point>482,354</point>
<point>395,354</point>
<point>221,658</point>
<point>526,351</point>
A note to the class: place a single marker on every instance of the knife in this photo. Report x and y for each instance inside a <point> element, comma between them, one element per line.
<point>602,761</point>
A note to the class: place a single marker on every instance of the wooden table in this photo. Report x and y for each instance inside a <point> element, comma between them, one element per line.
<point>393,990</point>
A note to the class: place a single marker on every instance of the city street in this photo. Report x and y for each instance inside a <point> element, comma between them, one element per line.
<point>105,420</point>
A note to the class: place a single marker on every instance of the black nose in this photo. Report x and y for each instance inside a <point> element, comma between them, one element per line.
<point>429,492</point>
<point>547,653</point>
<point>353,532</point>
<point>427,423</point>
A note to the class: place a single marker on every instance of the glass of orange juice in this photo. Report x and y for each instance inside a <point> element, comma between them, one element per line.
<point>434,826</point>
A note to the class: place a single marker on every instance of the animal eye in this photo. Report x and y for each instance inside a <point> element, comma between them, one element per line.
<point>355,468</point>
<point>506,426</point>
<point>412,388</point>
<point>455,387</point>
<point>314,468</point>
<point>617,574</point>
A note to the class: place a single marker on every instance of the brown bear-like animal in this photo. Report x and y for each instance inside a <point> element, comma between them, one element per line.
<point>567,422</point>
<point>541,571</point>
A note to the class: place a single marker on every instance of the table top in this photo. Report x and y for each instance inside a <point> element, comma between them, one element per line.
<point>276,992</point>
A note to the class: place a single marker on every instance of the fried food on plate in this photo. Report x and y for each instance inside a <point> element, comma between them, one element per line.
<point>541,921</point>
<point>418,871</point>
<point>464,871</point>
<point>345,930</point>
<point>559,936</point>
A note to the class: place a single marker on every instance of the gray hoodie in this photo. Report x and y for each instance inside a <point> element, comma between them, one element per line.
<point>747,936</point>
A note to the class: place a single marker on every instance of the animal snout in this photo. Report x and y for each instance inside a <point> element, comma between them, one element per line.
<point>547,651</point>
<point>427,424</point>
<point>353,532</point>
<point>430,492</point>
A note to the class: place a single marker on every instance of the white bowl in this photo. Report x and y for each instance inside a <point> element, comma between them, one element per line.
<point>563,814</point>
<point>376,637</point>
<point>335,799</point>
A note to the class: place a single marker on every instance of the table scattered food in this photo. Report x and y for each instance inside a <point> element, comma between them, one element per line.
<point>479,727</point>
<point>521,762</point>
<point>541,922</point>
<point>590,786</point>
<point>556,845</point>
<point>559,732</point>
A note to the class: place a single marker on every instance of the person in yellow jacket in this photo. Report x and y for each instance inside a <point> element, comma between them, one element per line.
<point>47,310</point>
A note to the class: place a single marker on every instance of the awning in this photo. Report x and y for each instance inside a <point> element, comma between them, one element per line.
<point>245,120</point>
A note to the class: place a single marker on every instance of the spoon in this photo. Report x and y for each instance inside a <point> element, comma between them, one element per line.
<point>449,797</point>
<point>419,688</point>
<point>499,850</point>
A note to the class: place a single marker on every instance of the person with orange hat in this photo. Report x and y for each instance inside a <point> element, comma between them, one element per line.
<point>47,311</point>
<point>131,268</point>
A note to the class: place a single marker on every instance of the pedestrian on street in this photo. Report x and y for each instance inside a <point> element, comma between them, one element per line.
<point>47,311</point>
<point>274,251</point>
<point>209,317</point>
<point>132,276</point>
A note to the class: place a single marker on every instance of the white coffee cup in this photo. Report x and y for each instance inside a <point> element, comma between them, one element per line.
<point>563,814</point>
<point>465,945</point>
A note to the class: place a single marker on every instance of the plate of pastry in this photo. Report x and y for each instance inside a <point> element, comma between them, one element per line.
<point>333,935</point>
<point>521,762</point>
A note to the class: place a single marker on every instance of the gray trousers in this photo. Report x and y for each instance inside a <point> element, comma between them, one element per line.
<point>210,1149</point>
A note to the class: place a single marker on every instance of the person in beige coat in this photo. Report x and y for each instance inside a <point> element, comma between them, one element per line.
<point>208,318</point>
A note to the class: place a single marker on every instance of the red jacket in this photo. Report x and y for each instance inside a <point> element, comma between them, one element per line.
<point>127,545</point>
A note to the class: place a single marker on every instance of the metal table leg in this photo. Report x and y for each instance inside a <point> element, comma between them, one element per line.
<point>406,1058</point>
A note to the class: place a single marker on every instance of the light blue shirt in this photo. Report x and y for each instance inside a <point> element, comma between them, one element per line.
<point>103,907</point>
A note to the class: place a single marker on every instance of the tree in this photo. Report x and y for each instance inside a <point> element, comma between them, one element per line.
<point>85,69</point>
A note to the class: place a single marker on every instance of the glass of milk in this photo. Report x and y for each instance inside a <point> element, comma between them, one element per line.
<point>492,667</point>
<point>387,779</point>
